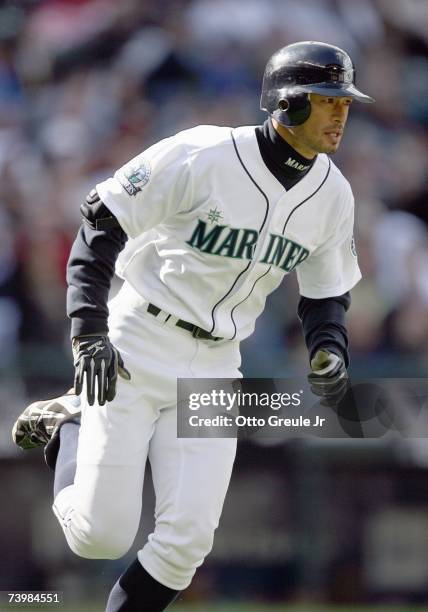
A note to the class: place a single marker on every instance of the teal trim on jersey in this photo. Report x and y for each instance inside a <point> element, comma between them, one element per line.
<point>309,197</point>
<point>232,312</point>
<point>226,295</point>
<point>273,237</point>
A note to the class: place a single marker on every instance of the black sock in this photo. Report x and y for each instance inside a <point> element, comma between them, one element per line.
<point>137,591</point>
<point>65,465</point>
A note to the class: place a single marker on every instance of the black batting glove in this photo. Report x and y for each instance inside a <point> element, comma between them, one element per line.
<point>329,378</point>
<point>100,362</point>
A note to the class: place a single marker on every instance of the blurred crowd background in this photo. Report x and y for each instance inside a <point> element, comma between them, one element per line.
<point>87,84</point>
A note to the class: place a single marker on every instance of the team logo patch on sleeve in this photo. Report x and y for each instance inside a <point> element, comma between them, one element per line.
<point>134,176</point>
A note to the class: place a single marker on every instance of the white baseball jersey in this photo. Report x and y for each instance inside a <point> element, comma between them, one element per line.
<point>212,232</point>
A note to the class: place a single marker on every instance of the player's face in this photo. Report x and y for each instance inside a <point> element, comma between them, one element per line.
<point>323,131</point>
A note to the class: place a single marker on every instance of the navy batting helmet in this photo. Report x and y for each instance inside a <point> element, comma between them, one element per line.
<point>295,71</point>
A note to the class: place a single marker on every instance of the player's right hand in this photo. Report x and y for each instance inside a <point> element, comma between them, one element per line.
<point>329,378</point>
<point>97,360</point>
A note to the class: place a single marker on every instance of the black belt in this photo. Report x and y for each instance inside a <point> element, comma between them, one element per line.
<point>197,332</point>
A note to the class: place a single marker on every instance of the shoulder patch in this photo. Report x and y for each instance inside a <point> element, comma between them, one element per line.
<point>134,175</point>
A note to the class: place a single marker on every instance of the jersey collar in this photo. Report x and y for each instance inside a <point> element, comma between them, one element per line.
<point>251,156</point>
<point>285,163</point>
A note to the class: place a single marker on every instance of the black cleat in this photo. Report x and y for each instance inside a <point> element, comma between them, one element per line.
<point>40,420</point>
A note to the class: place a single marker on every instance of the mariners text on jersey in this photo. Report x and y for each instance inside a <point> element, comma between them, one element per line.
<point>213,232</point>
<point>240,243</point>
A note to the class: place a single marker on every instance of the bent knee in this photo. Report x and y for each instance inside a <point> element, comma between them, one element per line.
<point>97,550</point>
<point>98,543</point>
<point>106,534</point>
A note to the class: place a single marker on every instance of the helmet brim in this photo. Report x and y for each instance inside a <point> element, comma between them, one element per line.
<point>339,90</point>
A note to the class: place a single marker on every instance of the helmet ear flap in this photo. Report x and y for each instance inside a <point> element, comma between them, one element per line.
<point>293,110</point>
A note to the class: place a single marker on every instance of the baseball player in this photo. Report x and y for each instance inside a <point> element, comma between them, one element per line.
<point>201,226</point>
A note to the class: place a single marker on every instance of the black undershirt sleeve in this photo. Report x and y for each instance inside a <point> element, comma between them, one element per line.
<point>323,323</point>
<point>90,270</point>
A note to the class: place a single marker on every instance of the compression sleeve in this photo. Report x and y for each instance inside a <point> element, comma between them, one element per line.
<point>323,323</point>
<point>90,269</point>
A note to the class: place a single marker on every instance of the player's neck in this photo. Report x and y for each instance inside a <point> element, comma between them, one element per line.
<point>291,139</point>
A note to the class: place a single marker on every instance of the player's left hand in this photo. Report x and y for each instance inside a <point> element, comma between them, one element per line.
<point>329,378</point>
<point>100,362</point>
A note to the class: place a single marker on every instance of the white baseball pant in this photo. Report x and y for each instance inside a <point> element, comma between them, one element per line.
<point>100,512</point>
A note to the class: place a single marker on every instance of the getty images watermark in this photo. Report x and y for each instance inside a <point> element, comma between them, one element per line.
<point>219,399</point>
<point>286,408</point>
